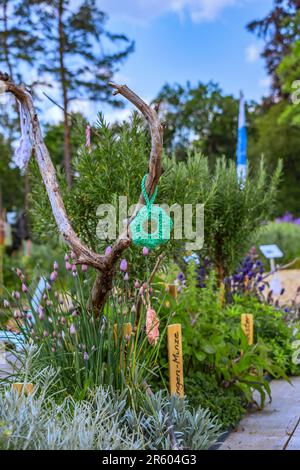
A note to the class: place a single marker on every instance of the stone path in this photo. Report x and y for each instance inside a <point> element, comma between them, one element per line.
<point>276,427</point>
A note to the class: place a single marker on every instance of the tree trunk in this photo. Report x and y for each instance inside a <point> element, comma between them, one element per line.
<point>5,40</point>
<point>64,87</point>
<point>101,288</point>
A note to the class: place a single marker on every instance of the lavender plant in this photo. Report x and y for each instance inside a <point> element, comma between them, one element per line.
<point>101,422</point>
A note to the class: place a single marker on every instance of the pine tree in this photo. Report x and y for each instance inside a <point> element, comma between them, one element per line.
<point>78,53</point>
<point>18,48</point>
<point>19,43</point>
<point>280,28</point>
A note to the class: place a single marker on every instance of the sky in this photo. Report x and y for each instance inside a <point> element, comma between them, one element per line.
<point>180,40</point>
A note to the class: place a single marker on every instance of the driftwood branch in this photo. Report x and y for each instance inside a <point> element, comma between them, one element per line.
<point>104,264</point>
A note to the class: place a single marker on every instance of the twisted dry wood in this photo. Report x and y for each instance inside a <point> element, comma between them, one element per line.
<point>104,264</point>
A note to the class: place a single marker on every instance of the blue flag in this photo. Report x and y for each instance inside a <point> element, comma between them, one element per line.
<point>241,152</point>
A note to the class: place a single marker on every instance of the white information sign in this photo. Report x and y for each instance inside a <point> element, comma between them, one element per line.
<point>271,251</point>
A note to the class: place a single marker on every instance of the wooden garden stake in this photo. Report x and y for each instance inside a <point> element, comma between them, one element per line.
<point>175,360</point>
<point>247,326</point>
<point>126,333</point>
<point>21,387</point>
<point>172,289</point>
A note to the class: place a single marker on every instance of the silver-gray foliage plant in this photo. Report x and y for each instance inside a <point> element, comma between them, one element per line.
<point>38,421</point>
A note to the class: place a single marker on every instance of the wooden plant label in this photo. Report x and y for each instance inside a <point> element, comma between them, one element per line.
<point>21,388</point>
<point>175,360</point>
<point>173,290</point>
<point>247,326</point>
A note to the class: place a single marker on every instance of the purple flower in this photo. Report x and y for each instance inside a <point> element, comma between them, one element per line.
<point>68,266</point>
<point>16,295</point>
<point>85,356</point>
<point>141,291</point>
<point>286,310</point>
<point>261,288</point>
<point>46,333</point>
<point>5,303</point>
<point>108,250</point>
<point>180,276</point>
<point>41,313</point>
<point>288,217</point>
<point>24,288</point>
<point>19,272</point>
<point>136,284</point>
<point>73,255</point>
<point>53,350</point>
<point>123,265</point>
<point>74,269</point>
<point>145,251</point>
<point>67,257</point>
<point>55,266</point>
<point>75,314</point>
<point>72,329</point>
<point>53,276</point>
<point>126,277</point>
<point>84,268</point>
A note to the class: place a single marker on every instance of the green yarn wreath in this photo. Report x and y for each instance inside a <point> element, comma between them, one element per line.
<point>150,217</point>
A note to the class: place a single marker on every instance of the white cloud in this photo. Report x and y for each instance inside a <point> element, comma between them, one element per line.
<point>252,53</point>
<point>145,10</point>
<point>117,115</point>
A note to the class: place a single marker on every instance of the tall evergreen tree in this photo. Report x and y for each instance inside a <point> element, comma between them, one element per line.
<point>79,53</point>
<point>18,42</point>
<point>18,48</point>
<point>280,28</point>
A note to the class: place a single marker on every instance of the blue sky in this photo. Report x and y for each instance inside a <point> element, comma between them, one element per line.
<point>180,40</point>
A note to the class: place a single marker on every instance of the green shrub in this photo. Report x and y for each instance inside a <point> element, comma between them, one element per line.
<point>271,326</point>
<point>115,167</point>
<point>213,345</point>
<point>204,389</point>
<point>284,234</point>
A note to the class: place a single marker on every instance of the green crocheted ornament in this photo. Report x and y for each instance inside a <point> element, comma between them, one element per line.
<point>151,226</point>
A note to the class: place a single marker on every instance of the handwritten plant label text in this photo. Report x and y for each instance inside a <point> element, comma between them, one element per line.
<point>175,360</point>
<point>247,326</point>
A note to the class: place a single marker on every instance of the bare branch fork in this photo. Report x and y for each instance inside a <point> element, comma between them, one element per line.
<point>104,264</point>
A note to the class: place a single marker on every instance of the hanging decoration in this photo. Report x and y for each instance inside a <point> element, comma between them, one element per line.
<point>150,217</point>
